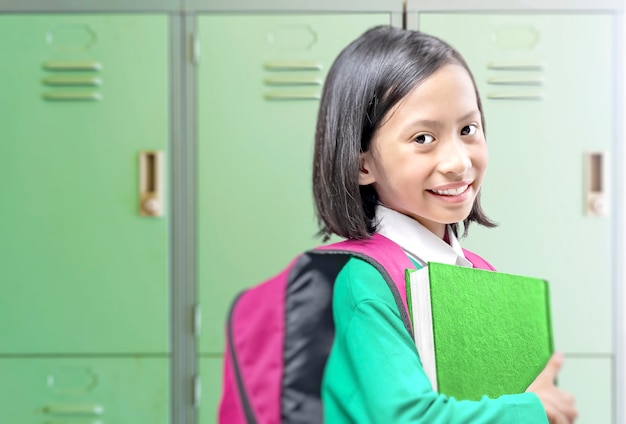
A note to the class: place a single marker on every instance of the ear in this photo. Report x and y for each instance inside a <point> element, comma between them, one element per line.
<point>366,176</point>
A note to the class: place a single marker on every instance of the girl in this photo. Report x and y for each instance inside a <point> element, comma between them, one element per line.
<point>400,150</point>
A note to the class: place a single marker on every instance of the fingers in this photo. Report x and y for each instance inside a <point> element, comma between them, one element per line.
<point>553,366</point>
<point>569,408</point>
<point>561,419</point>
<point>558,419</point>
<point>560,407</point>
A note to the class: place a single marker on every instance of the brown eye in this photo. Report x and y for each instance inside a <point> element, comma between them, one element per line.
<point>424,139</point>
<point>469,130</point>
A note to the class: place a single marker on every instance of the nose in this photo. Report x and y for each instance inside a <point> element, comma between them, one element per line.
<point>454,157</point>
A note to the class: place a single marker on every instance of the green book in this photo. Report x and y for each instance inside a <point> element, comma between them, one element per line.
<point>479,332</point>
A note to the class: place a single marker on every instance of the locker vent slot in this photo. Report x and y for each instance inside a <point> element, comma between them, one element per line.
<point>72,96</point>
<point>516,66</point>
<point>293,80</point>
<point>78,409</point>
<point>515,96</point>
<point>516,80</point>
<point>292,95</point>
<point>293,65</point>
<point>72,81</point>
<point>71,66</point>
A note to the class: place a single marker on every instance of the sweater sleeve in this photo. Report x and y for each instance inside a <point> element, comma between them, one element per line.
<point>374,374</point>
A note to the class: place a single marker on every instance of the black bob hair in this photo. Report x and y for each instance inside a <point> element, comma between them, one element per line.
<point>368,78</point>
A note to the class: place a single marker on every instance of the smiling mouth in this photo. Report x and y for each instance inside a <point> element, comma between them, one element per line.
<point>451,192</point>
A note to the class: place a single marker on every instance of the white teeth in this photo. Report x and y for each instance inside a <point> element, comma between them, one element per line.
<point>452,192</point>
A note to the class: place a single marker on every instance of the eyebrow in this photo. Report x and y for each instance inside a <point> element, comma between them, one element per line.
<point>437,124</point>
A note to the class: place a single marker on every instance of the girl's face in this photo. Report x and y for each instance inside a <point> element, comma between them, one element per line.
<point>429,157</point>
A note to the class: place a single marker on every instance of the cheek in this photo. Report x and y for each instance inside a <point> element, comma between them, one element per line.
<point>481,158</point>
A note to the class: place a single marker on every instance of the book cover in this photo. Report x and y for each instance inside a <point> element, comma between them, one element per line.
<point>479,332</point>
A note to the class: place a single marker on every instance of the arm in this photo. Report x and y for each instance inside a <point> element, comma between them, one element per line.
<point>374,373</point>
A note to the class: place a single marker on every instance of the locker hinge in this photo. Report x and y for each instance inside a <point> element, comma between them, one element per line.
<point>194,48</point>
<point>196,387</point>
<point>197,320</point>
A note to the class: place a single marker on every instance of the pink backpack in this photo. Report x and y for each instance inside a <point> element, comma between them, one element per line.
<point>279,333</point>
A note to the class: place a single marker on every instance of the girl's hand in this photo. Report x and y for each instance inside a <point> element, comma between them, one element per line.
<point>559,405</point>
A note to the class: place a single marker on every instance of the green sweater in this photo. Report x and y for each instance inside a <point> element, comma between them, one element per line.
<point>374,374</point>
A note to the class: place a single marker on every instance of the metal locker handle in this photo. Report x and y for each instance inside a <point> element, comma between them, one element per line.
<point>151,183</point>
<point>197,391</point>
<point>197,320</point>
<point>596,201</point>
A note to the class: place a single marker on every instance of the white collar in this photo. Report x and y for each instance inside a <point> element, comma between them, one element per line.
<point>417,241</point>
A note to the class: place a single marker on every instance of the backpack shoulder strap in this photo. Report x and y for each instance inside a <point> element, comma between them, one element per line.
<point>477,261</point>
<point>388,258</point>
<point>391,261</point>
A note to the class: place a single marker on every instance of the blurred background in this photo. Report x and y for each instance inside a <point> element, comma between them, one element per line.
<point>156,160</point>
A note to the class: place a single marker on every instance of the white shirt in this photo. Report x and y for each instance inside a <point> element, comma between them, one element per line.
<point>417,241</point>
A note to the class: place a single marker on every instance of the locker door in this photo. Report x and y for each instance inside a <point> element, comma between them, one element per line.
<point>547,108</point>
<point>84,390</point>
<point>211,379</point>
<point>82,270</point>
<point>259,81</point>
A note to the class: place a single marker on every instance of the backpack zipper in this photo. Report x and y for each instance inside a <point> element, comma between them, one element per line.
<point>245,401</point>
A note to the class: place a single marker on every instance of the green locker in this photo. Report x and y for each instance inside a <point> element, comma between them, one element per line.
<point>588,379</point>
<point>210,368</point>
<point>84,390</point>
<point>84,258</point>
<point>535,185</point>
<point>85,266</point>
<point>82,270</point>
<point>259,80</point>
<point>550,129</point>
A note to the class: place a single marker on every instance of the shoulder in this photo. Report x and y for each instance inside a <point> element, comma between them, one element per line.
<point>360,281</point>
<point>477,261</point>
<point>362,299</point>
